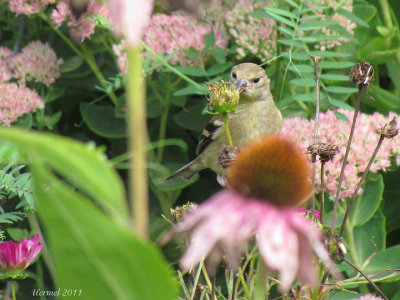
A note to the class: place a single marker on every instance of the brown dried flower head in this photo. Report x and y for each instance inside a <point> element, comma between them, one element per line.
<point>227,156</point>
<point>326,152</point>
<point>389,130</point>
<point>273,169</point>
<point>362,74</point>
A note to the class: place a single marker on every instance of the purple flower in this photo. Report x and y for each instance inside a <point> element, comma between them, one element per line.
<point>267,181</point>
<point>18,256</point>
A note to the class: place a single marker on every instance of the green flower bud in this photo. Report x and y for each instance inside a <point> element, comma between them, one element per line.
<point>224,98</point>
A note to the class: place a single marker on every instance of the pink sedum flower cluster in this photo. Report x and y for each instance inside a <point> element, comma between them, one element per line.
<point>81,26</point>
<point>369,297</point>
<point>335,131</point>
<point>28,7</point>
<point>254,36</point>
<point>122,58</point>
<point>37,62</point>
<point>167,34</point>
<point>17,100</point>
<point>18,256</point>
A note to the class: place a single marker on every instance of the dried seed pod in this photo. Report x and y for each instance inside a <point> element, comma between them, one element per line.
<point>362,74</point>
<point>390,130</point>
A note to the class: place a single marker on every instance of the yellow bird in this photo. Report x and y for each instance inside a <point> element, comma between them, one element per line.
<point>258,117</point>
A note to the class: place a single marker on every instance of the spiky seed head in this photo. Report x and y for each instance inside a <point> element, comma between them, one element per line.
<point>273,169</point>
<point>224,98</point>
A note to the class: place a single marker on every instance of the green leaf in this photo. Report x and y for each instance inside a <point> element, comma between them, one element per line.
<point>219,54</point>
<point>190,71</point>
<point>192,117</point>
<point>329,53</point>
<point>342,117</point>
<point>306,39</point>
<point>101,119</point>
<point>102,259</point>
<point>365,235</point>
<point>288,32</point>
<point>385,101</point>
<point>279,18</point>
<point>301,68</point>
<point>191,90</point>
<point>336,64</point>
<point>315,25</point>
<point>341,89</point>
<point>352,17</point>
<point>81,164</point>
<point>280,12</point>
<point>218,68</point>
<point>290,43</point>
<point>312,17</point>
<point>305,10</point>
<point>305,82</point>
<point>292,3</point>
<point>385,260</point>
<point>305,97</point>
<point>366,205</point>
<point>341,104</point>
<point>298,55</point>
<point>334,77</point>
<point>209,39</point>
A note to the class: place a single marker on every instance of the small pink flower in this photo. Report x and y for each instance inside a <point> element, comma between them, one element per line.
<point>28,7</point>
<point>18,256</point>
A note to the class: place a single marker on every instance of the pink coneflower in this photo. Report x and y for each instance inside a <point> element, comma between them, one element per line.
<point>267,181</point>
<point>18,256</point>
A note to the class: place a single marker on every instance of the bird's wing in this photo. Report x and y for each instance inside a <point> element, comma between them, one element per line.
<point>209,133</point>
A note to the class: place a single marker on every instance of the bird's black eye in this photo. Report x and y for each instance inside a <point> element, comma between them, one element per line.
<point>256,80</point>
<point>234,76</point>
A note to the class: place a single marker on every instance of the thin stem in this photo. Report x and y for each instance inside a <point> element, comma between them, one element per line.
<point>228,133</point>
<point>259,292</point>
<point>206,277</point>
<point>137,142</point>
<point>196,280</point>
<point>316,78</point>
<point>366,277</point>
<point>243,282</point>
<point>361,181</point>
<point>345,159</point>
<point>321,213</point>
<point>13,290</point>
<point>213,287</point>
<point>234,287</point>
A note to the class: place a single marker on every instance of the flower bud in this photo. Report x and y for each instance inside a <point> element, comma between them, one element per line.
<point>224,98</point>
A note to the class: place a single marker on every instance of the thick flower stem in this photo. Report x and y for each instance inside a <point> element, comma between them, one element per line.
<point>361,181</point>
<point>228,133</point>
<point>137,130</point>
<point>316,78</point>
<point>345,158</point>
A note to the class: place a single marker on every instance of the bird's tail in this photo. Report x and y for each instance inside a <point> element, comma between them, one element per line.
<point>187,171</point>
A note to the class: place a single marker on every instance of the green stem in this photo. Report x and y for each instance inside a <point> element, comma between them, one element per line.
<point>243,282</point>
<point>137,130</point>
<point>228,133</point>
<point>386,13</point>
<point>89,57</point>
<point>13,290</point>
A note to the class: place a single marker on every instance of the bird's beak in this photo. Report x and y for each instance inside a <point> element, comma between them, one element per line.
<point>241,84</point>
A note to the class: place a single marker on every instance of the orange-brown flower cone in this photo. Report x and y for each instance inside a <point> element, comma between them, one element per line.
<point>273,169</point>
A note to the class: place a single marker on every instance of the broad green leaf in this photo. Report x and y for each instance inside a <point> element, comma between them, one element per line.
<point>191,90</point>
<point>385,101</point>
<point>209,39</point>
<point>306,97</point>
<point>301,68</point>
<point>328,53</point>
<point>218,68</point>
<point>101,119</point>
<point>305,81</point>
<point>190,71</point>
<point>335,77</point>
<point>342,117</point>
<point>103,259</point>
<point>82,164</point>
<point>73,63</point>
<point>219,54</point>
<point>365,206</point>
<point>352,17</point>
<point>385,260</point>
<point>192,117</point>
<point>336,64</point>
<point>341,89</point>
<point>366,235</point>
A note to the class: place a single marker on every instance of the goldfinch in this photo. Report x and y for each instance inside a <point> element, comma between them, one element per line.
<point>257,117</point>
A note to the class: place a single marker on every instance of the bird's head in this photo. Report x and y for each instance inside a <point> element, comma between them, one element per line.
<point>251,80</point>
